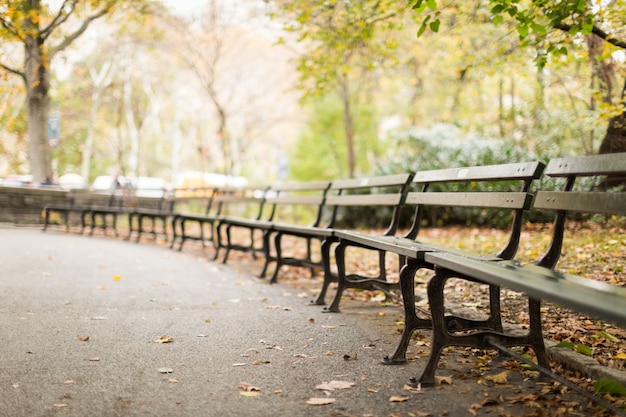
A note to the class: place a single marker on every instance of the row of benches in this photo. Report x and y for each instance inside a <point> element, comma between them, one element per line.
<point>266,215</point>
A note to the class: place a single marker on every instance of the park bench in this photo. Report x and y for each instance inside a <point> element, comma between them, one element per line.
<point>379,192</point>
<point>538,280</point>
<point>158,210</point>
<point>467,183</point>
<point>296,201</point>
<point>233,204</point>
<point>80,203</point>
<point>200,208</point>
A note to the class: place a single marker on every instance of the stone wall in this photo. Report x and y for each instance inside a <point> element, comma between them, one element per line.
<point>23,205</point>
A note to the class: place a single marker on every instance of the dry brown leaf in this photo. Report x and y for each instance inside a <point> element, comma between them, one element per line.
<point>443,380</point>
<point>83,338</point>
<point>500,378</point>
<point>398,398</point>
<point>59,405</point>
<point>321,401</point>
<point>248,387</point>
<point>165,339</point>
<point>250,393</point>
<point>333,385</point>
<point>409,388</point>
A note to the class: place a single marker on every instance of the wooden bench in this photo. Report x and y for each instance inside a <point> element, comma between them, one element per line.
<point>380,192</point>
<point>158,210</point>
<point>466,181</point>
<point>538,280</point>
<point>282,201</point>
<point>80,204</point>
<point>236,204</point>
<point>205,198</point>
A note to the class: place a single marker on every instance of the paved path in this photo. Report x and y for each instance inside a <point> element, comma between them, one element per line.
<point>80,317</point>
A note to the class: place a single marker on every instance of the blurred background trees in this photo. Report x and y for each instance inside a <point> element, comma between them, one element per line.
<point>313,89</point>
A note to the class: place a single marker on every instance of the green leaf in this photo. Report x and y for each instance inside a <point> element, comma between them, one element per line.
<point>584,349</point>
<point>432,4</point>
<point>498,8</point>
<point>422,28</point>
<point>608,336</point>
<point>522,30</point>
<point>609,386</point>
<point>537,28</point>
<point>497,20</point>
<point>564,344</point>
<point>434,25</point>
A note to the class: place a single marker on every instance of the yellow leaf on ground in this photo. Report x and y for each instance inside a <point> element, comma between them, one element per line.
<point>117,278</point>
<point>499,378</point>
<point>165,339</point>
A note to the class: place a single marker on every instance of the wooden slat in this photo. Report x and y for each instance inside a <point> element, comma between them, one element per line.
<point>505,200</point>
<point>380,181</point>
<point>364,200</point>
<point>596,202</point>
<point>516,171</point>
<point>595,165</point>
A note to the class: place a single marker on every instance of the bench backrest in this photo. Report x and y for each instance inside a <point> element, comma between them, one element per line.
<point>573,199</point>
<point>518,200</point>
<point>380,191</point>
<point>284,199</point>
<point>90,199</point>
<point>244,201</point>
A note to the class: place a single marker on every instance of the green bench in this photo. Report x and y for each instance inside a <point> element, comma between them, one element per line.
<point>538,280</point>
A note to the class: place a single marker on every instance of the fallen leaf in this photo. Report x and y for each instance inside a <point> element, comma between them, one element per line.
<point>83,339</point>
<point>173,380</point>
<point>333,385</point>
<point>417,389</point>
<point>102,287</point>
<point>240,364</point>
<point>59,405</point>
<point>247,387</point>
<point>165,370</point>
<point>443,380</point>
<point>165,339</point>
<point>321,401</point>
<point>328,327</point>
<point>398,399</point>
<point>117,278</point>
<point>250,393</point>
<point>95,359</point>
<point>498,378</point>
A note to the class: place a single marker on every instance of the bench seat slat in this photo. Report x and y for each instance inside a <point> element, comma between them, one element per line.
<point>596,298</point>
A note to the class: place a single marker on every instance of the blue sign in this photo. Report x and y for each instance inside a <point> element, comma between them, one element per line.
<point>54,130</point>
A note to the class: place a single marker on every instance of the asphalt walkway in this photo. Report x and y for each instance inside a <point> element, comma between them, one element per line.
<point>104,327</point>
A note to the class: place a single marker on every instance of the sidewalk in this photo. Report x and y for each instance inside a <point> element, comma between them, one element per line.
<point>82,319</point>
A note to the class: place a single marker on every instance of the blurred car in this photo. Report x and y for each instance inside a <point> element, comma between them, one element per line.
<point>18,181</point>
<point>71,181</point>
<point>148,187</point>
<point>108,183</point>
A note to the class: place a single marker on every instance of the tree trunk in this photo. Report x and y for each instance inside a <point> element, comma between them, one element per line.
<point>37,80</point>
<point>348,123</point>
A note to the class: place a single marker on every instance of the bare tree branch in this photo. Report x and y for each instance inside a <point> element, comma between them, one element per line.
<point>12,71</point>
<point>60,18</point>
<point>72,37</point>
